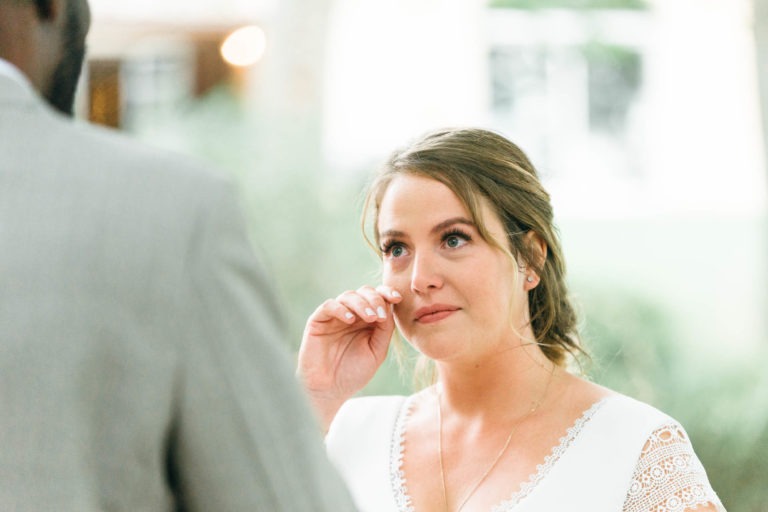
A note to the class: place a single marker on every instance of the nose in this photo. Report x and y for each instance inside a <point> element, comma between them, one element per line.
<point>425,274</point>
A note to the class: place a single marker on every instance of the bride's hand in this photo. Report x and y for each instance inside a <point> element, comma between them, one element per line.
<point>344,343</point>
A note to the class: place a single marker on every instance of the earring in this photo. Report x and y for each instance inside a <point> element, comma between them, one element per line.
<point>529,279</point>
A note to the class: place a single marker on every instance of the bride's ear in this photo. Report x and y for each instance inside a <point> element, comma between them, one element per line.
<point>538,252</point>
<point>538,248</point>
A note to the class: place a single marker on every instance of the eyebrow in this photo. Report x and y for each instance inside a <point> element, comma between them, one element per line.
<point>393,233</point>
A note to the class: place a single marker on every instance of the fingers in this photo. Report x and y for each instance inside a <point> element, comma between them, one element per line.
<point>332,309</point>
<point>389,294</point>
<point>366,303</point>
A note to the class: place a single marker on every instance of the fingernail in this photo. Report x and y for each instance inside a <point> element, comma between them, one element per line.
<point>369,312</point>
<point>381,312</point>
<point>395,293</point>
<point>348,315</point>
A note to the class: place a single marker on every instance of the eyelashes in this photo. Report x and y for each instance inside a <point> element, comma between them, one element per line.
<point>388,245</point>
<point>455,233</point>
<point>453,238</point>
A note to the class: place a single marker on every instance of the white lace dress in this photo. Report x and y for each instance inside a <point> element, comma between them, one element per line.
<point>620,456</point>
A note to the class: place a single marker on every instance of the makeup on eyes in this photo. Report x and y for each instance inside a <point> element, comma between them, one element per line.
<point>388,245</point>
<point>455,232</point>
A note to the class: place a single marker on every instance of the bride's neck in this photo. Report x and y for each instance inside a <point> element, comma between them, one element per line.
<point>510,382</point>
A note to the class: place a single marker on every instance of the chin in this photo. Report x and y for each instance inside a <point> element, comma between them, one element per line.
<point>436,348</point>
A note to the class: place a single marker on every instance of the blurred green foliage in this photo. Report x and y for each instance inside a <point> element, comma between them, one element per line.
<point>636,351</point>
<point>569,4</point>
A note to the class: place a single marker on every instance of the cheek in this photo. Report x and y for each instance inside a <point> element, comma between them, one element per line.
<point>399,283</point>
<point>386,274</point>
<point>394,279</point>
<point>499,293</point>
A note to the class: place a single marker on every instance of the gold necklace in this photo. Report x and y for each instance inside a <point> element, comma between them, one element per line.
<point>498,457</point>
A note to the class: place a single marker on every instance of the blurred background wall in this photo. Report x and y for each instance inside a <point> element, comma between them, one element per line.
<point>646,119</point>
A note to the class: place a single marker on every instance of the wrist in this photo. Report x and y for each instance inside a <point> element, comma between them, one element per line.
<point>325,401</point>
<point>325,409</point>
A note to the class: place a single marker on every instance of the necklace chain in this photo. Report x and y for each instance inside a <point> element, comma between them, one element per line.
<point>496,460</point>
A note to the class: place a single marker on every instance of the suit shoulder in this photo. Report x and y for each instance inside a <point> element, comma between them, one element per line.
<point>114,152</point>
<point>136,184</point>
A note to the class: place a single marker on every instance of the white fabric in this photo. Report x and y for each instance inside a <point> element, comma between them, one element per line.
<point>620,456</point>
<point>12,72</point>
<point>668,474</point>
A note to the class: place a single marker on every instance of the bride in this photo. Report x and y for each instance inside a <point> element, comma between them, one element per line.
<point>473,277</point>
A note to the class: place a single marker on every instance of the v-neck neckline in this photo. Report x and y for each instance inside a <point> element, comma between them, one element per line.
<point>398,480</point>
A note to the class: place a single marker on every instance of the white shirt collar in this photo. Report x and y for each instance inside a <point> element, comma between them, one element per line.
<point>9,70</point>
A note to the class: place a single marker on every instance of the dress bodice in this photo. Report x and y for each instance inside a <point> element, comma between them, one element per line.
<point>620,455</point>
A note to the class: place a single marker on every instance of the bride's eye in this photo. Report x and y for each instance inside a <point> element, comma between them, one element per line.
<point>393,249</point>
<point>455,239</point>
<point>453,242</point>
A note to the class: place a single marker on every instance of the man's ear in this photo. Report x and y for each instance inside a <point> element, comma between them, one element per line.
<point>46,9</point>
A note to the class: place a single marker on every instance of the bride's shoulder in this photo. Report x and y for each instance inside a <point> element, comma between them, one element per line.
<point>574,394</point>
<point>363,422</point>
<point>583,394</point>
<point>369,409</point>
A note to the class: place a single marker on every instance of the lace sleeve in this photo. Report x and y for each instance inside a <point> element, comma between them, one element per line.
<point>668,476</point>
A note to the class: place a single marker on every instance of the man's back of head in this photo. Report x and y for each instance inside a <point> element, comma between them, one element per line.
<point>45,39</point>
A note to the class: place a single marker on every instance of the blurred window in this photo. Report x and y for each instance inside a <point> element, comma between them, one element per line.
<point>103,77</point>
<point>614,81</point>
<point>156,80</point>
<point>567,85</point>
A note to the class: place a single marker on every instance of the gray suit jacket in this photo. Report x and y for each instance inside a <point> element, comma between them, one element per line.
<point>139,363</point>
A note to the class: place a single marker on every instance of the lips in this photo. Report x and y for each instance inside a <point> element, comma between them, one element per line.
<point>434,313</point>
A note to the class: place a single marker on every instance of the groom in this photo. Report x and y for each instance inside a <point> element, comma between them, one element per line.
<point>139,358</point>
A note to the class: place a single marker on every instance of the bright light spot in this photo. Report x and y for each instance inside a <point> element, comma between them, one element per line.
<point>245,46</point>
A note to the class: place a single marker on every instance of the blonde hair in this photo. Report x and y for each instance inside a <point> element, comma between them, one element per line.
<point>479,164</point>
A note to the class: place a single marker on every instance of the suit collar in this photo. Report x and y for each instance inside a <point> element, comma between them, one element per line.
<point>15,88</point>
<point>11,71</point>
